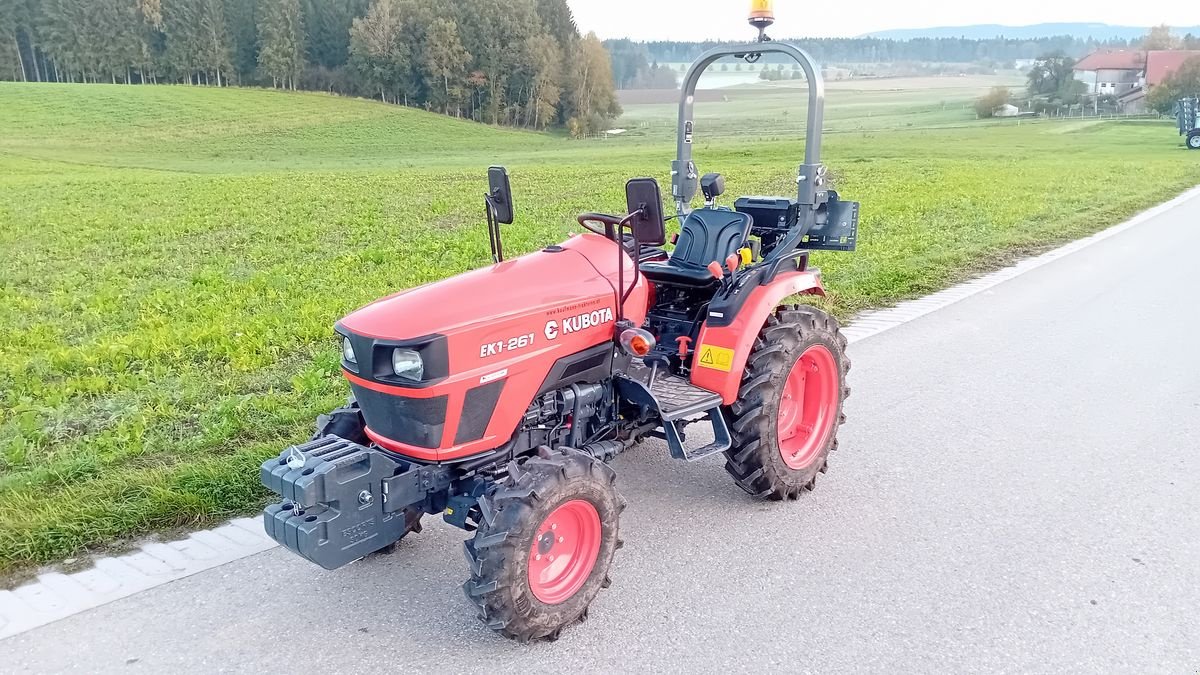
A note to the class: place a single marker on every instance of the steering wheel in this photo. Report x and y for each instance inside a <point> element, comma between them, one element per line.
<point>589,222</point>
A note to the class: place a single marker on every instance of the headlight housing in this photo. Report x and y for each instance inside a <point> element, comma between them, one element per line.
<point>348,351</point>
<point>407,364</point>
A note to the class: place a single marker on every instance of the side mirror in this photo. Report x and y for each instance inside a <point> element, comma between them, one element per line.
<point>500,194</point>
<point>642,194</point>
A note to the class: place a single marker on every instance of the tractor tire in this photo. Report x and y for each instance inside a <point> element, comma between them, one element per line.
<point>347,422</point>
<point>1193,140</point>
<point>785,421</point>
<point>561,504</point>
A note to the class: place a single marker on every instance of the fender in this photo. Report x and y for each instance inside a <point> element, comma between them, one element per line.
<point>721,351</point>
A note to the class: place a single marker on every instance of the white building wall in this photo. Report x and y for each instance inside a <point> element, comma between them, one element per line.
<point>1088,77</point>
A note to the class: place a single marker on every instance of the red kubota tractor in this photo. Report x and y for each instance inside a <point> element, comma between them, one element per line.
<point>497,398</point>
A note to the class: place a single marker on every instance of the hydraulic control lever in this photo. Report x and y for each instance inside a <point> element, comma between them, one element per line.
<point>726,273</point>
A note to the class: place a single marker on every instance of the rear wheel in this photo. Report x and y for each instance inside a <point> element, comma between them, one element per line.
<point>1193,140</point>
<point>545,541</point>
<point>785,421</point>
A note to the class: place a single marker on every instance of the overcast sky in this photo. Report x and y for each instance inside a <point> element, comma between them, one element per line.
<point>701,19</point>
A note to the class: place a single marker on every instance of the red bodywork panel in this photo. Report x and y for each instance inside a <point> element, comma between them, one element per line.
<point>738,337</point>
<point>508,322</point>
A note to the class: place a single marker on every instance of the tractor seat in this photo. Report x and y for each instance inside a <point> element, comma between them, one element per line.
<point>707,235</point>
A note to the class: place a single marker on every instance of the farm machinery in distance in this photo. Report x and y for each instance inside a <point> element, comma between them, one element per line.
<point>1187,112</point>
<point>497,398</point>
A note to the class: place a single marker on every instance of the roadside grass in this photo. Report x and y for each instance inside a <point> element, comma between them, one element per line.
<point>175,257</point>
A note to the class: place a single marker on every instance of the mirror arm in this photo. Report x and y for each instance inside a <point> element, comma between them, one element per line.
<point>493,229</point>
<point>624,293</point>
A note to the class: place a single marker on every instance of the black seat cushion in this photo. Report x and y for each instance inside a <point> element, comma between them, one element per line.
<point>707,235</point>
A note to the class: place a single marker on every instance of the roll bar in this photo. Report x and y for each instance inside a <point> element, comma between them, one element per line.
<point>684,176</point>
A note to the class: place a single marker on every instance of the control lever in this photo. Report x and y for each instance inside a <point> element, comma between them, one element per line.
<point>655,360</point>
<point>732,262</point>
<point>683,342</point>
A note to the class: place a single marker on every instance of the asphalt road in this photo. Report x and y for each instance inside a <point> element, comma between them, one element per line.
<point>1018,490</point>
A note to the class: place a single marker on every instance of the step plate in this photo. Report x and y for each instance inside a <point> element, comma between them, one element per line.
<point>677,398</point>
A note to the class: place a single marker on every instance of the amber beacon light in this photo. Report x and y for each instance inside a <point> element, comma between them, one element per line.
<point>762,14</point>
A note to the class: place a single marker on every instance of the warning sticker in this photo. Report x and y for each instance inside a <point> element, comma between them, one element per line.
<point>717,358</point>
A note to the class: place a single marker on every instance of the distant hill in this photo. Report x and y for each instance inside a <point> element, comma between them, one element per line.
<point>1098,31</point>
<point>221,129</point>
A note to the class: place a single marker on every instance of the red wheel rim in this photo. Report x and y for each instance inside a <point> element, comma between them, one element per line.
<point>807,406</point>
<point>564,551</point>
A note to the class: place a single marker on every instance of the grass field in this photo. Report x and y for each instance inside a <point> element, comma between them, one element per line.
<point>174,258</point>
<point>779,108</point>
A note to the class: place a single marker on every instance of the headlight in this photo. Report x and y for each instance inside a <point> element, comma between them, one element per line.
<point>348,350</point>
<point>407,363</point>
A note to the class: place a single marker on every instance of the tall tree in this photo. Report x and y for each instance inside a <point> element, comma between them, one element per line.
<point>181,36</point>
<point>62,29</point>
<point>444,64</point>
<point>28,19</point>
<point>1160,37</point>
<point>544,61</point>
<point>281,41</point>
<point>1051,74</point>
<point>213,44</point>
<point>490,29</point>
<point>327,27</point>
<point>242,17</point>
<point>150,39</point>
<point>558,21</point>
<point>377,53</point>
<point>594,99</point>
<point>560,24</point>
<point>113,31</point>
<point>197,40</point>
<point>11,59</point>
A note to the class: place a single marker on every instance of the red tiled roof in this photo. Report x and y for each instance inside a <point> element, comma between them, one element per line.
<point>1112,59</point>
<point>1160,64</point>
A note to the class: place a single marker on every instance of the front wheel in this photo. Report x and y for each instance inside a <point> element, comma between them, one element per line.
<point>785,421</point>
<point>545,541</point>
<point>1193,140</point>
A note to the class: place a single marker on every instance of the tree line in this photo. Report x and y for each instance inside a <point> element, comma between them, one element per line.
<point>516,62</point>
<point>883,50</point>
<point>643,65</point>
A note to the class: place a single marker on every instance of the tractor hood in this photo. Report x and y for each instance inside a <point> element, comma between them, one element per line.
<point>491,334</point>
<point>541,282</point>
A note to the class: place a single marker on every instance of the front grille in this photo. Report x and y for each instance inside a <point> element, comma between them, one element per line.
<point>478,407</point>
<point>413,421</point>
